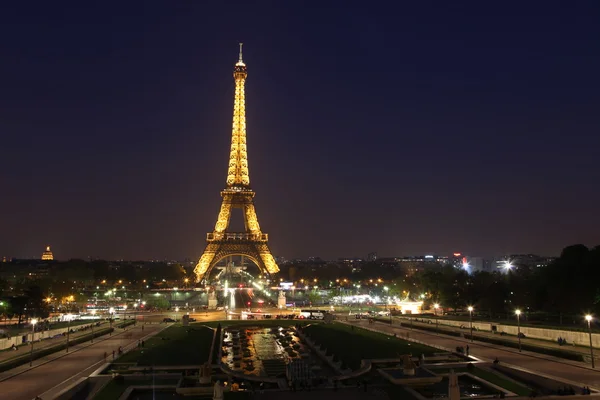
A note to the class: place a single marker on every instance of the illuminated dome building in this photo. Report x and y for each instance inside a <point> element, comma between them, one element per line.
<point>47,255</point>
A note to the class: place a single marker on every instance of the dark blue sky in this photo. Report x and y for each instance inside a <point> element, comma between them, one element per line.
<point>396,127</point>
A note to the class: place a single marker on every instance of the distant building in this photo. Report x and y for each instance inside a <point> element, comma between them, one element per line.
<point>458,260</point>
<point>415,264</point>
<point>478,264</point>
<point>47,255</point>
<point>511,261</point>
<point>372,256</point>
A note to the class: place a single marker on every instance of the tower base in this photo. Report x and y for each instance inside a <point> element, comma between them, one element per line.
<point>236,244</point>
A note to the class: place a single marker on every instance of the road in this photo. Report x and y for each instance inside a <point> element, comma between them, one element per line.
<point>574,372</point>
<point>48,379</point>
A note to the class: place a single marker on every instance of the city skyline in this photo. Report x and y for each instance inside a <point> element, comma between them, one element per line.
<point>390,130</point>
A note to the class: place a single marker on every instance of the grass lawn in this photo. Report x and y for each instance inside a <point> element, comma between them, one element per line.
<point>491,377</point>
<point>351,346</point>
<point>176,345</point>
<point>114,389</point>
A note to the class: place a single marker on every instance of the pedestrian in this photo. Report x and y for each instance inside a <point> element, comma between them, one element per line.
<point>467,350</point>
<point>143,343</point>
<point>113,354</point>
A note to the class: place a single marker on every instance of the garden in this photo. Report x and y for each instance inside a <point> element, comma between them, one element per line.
<point>351,344</point>
<point>176,345</point>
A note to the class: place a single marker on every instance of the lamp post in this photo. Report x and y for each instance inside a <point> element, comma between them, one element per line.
<point>33,322</point>
<point>93,314</point>
<point>68,330</point>
<point>589,318</point>
<point>143,320</point>
<point>135,306</point>
<point>471,321</point>
<point>111,311</point>
<point>176,313</point>
<point>435,308</point>
<point>389,309</point>
<point>518,313</point>
<point>125,316</point>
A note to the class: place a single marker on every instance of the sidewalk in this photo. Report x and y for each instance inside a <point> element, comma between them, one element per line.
<point>585,351</point>
<point>576,373</point>
<point>52,374</point>
<point>8,354</point>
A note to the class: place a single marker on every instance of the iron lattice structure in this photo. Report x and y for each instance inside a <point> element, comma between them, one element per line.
<point>252,243</point>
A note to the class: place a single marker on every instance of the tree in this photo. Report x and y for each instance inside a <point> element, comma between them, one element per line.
<point>36,305</point>
<point>158,302</point>
<point>17,307</point>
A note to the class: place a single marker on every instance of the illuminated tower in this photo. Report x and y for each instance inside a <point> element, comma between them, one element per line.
<point>47,255</point>
<point>252,243</point>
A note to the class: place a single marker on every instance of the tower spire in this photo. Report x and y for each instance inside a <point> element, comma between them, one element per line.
<point>237,173</point>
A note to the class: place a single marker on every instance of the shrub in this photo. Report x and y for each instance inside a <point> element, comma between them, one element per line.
<point>568,355</point>
<point>430,329</point>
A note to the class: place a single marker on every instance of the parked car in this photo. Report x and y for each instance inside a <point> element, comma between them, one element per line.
<point>168,320</point>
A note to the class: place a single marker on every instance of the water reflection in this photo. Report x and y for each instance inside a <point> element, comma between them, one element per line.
<point>261,351</point>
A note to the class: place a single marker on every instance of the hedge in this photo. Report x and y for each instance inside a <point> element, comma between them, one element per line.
<point>568,355</point>
<point>24,359</point>
<point>430,329</point>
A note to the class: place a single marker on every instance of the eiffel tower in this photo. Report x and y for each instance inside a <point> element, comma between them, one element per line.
<point>237,194</point>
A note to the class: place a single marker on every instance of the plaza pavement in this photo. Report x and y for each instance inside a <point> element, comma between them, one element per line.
<point>576,373</point>
<point>49,376</point>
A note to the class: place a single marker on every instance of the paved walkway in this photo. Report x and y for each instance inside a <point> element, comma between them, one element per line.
<point>578,374</point>
<point>509,338</point>
<point>51,374</point>
<point>8,354</point>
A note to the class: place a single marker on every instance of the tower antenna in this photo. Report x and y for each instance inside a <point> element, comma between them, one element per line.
<point>241,44</point>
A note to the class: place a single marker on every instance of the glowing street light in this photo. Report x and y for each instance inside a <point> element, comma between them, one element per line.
<point>111,312</point>
<point>471,321</point>
<point>135,306</point>
<point>589,318</point>
<point>507,266</point>
<point>518,313</point>
<point>33,322</point>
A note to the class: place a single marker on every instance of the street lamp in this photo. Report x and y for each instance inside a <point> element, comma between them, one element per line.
<point>125,316</point>
<point>435,308</point>
<point>33,322</point>
<point>589,318</point>
<point>176,313</point>
<point>111,311</point>
<point>471,321</point>
<point>93,314</point>
<point>68,330</point>
<point>518,313</point>
<point>135,306</point>
<point>143,320</point>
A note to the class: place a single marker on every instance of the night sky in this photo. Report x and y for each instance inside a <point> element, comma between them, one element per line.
<point>403,128</point>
